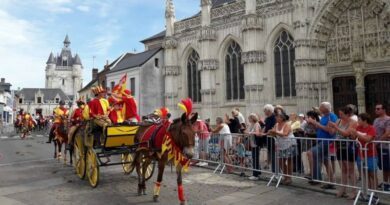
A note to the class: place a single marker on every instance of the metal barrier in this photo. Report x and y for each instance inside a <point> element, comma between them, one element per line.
<point>284,159</point>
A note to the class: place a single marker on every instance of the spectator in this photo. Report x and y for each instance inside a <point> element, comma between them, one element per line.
<point>298,132</point>
<point>254,130</point>
<point>240,154</point>
<point>207,122</point>
<point>241,119</point>
<point>354,116</point>
<point>233,123</point>
<point>270,122</point>
<point>286,145</point>
<point>382,128</point>
<point>225,138</point>
<point>345,150</point>
<point>310,130</point>
<point>201,130</point>
<point>365,133</point>
<point>320,152</point>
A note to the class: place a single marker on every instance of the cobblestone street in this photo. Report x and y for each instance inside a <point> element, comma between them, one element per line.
<point>29,176</point>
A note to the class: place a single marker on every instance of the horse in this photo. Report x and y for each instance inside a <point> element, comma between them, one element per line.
<point>182,135</point>
<point>60,138</point>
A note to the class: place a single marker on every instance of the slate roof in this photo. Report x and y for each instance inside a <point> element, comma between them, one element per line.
<point>217,3</point>
<point>51,60</point>
<point>156,36</point>
<point>48,94</point>
<point>131,60</point>
<point>77,60</point>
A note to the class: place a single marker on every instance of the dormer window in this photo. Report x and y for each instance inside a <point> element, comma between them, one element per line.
<point>57,100</point>
<point>20,100</point>
<point>64,61</point>
<point>39,99</point>
<point>63,81</point>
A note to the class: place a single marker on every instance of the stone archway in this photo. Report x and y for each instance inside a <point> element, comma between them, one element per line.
<point>347,37</point>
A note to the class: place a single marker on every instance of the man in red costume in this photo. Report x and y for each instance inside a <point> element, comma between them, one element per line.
<point>99,108</point>
<point>59,113</point>
<point>76,119</point>
<point>116,114</point>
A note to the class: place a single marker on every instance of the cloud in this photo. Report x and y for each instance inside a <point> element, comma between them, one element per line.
<point>23,53</point>
<point>83,8</point>
<point>55,6</point>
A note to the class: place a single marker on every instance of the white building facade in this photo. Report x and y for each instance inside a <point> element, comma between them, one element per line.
<point>296,53</point>
<point>144,78</point>
<point>64,71</point>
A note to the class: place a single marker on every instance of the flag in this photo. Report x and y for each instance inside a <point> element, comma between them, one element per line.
<point>121,86</point>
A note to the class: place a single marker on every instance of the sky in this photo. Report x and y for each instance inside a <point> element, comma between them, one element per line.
<point>31,29</point>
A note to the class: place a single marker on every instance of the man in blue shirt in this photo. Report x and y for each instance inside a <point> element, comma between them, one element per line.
<point>320,152</point>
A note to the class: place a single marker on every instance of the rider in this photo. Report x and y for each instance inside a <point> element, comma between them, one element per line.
<point>116,114</point>
<point>99,108</point>
<point>59,113</point>
<point>76,119</point>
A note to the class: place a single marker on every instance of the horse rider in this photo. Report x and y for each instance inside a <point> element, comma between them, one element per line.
<point>99,108</point>
<point>59,113</point>
<point>76,120</point>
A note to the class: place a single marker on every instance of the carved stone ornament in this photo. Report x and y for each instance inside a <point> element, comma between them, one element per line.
<point>253,57</point>
<point>171,70</point>
<point>255,87</point>
<point>208,64</point>
<point>252,22</point>
<point>309,43</point>
<point>309,62</point>
<point>205,3</point>
<point>169,43</point>
<point>207,33</point>
<point>169,9</point>
<point>207,91</point>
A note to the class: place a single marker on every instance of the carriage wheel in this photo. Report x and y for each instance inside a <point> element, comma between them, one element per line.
<point>79,156</point>
<point>149,170</point>
<point>92,168</point>
<point>127,160</point>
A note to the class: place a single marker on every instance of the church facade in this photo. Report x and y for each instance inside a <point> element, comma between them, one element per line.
<point>64,71</point>
<point>296,53</point>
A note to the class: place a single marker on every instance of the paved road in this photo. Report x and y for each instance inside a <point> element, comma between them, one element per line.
<point>28,175</point>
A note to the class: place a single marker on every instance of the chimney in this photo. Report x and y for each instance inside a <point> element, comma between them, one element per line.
<point>2,80</point>
<point>94,73</point>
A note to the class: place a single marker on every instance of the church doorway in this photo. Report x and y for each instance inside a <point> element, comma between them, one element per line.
<point>344,92</point>
<point>377,89</point>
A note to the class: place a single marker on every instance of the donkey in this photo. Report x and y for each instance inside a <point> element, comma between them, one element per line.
<point>61,137</point>
<point>183,136</point>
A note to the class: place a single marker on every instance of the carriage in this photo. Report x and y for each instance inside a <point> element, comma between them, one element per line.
<point>90,149</point>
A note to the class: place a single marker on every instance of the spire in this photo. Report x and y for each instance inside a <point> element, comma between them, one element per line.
<point>77,60</point>
<point>66,41</point>
<point>169,9</point>
<point>51,60</point>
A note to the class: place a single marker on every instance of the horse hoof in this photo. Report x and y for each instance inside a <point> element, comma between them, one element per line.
<point>182,203</point>
<point>155,198</point>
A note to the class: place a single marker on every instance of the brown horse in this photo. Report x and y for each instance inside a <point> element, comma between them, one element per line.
<point>61,138</point>
<point>182,135</point>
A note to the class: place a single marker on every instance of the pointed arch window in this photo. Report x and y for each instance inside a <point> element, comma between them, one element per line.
<point>234,73</point>
<point>284,53</point>
<point>193,77</point>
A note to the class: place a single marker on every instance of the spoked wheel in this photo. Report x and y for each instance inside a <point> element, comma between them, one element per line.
<point>79,156</point>
<point>149,170</point>
<point>127,160</point>
<point>92,168</point>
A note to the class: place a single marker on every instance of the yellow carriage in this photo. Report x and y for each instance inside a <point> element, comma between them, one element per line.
<point>89,150</point>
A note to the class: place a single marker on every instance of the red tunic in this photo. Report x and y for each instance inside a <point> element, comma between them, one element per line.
<point>96,108</point>
<point>130,108</point>
<point>116,116</point>
<point>77,116</point>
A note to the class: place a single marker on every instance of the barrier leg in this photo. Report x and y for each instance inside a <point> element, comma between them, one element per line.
<point>357,197</point>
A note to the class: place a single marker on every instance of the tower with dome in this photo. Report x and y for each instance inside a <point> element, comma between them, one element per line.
<point>64,71</point>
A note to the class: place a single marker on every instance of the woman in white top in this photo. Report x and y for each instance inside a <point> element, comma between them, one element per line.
<point>225,140</point>
<point>286,145</point>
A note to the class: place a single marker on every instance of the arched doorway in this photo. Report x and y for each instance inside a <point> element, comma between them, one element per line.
<point>344,92</point>
<point>377,89</point>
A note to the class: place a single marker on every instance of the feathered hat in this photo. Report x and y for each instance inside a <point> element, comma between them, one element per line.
<point>186,106</point>
<point>162,112</point>
<point>98,89</point>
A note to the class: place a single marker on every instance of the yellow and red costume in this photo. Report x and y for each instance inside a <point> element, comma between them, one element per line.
<point>99,108</point>
<point>76,119</point>
<point>116,114</point>
<point>129,103</point>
